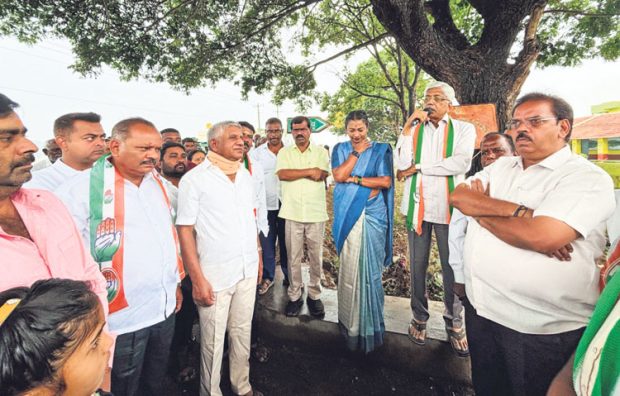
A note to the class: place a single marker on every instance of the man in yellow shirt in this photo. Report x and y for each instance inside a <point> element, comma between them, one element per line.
<point>302,169</point>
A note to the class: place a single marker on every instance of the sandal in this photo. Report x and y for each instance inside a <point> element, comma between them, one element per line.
<point>455,336</point>
<point>264,286</point>
<point>419,327</point>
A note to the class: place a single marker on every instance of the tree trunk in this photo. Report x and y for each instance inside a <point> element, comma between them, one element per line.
<point>480,72</point>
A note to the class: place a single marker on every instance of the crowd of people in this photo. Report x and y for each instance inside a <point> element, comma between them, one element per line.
<point>97,245</point>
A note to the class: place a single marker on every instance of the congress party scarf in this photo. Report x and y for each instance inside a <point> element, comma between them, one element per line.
<point>608,373</point>
<point>107,222</point>
<point>415,213</point>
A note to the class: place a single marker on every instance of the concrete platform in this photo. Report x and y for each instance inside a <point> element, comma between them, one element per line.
<point>436,359</point>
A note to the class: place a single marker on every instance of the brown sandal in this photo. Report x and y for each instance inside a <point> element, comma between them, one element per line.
<point>420,327</point>
<point>455,335</point>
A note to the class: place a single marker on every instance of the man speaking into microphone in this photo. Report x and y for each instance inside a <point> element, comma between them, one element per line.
<point>433,154</point>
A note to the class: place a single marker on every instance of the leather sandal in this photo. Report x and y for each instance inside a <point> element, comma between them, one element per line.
<point>456,335</point>
<point>420,327</point>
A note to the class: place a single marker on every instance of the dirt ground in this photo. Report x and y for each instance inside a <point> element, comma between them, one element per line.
<point>292,371</point>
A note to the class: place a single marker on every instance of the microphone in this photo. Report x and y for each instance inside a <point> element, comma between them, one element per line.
<point>416,121</point>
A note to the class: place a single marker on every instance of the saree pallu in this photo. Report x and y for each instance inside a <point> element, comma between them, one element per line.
<point>360,291</point>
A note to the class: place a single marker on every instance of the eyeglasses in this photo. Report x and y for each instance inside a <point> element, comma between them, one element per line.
<point>497,151</point>
<point>435,98</point>
<point>533,122</point>
<point>273,131</point>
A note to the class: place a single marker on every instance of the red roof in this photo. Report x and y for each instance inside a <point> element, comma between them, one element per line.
<point>596,126</point>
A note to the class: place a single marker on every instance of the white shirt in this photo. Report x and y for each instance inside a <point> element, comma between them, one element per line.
<point>222,213</point>
<point>150,273</point>
<point>52,177</point>
<point>525,290</point>
<point>435,167</point>
<point>456,240</point>
<point>268,160</point>
<point>258,176</point>
<point>41,164</point>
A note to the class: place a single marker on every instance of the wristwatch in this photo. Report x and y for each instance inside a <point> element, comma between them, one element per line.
<point>355,154</point>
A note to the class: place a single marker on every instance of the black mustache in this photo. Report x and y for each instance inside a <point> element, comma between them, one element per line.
<point>27,160</point>
<point>523,135</point>
<point>148,161</point>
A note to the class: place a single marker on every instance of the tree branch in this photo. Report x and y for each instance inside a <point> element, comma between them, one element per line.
<point>369,95</point>
<point>444,24</point>
<point>312,67</point>
<point>580,13</point>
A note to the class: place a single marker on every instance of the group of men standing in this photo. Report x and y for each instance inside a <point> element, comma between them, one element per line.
<point>115,221</point>
<point>518,254</point>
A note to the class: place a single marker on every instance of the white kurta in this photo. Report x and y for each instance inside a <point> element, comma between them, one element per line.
<point>52,177</point>
<point>150,272</point>
<point>434,167</point>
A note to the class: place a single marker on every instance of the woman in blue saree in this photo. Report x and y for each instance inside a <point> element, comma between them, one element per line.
<point>362,231</point>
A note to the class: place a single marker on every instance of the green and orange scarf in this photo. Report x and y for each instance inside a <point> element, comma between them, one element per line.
<point>107,228</point>
<point>415,212</point>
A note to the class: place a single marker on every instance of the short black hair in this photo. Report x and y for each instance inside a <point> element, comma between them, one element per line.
<point>273,120</point>
<point>246,124</point>
<point>52,319</point>
<point>507,138</point>
<point>356,115</point>
<point>560,107</point>
<point>121,129</point>
<point>191,154</point>
<point>300,120</point>
<point>7,106</point>
<point>188,139</point>
<point>169,145</point>
<point>169,130</point>
<point>64,124</point>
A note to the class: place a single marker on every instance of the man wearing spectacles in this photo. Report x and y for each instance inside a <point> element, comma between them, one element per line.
<point>267,155</point>
<point>432,157</point>
<point>530,258</point>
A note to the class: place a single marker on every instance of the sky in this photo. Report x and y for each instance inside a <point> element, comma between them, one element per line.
<point>39,79</point>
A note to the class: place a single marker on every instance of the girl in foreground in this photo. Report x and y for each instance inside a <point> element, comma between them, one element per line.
<point>52,340</point>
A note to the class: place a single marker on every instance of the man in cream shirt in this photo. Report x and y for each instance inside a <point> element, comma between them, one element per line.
<point>219,242</point>
<point>529,259</point>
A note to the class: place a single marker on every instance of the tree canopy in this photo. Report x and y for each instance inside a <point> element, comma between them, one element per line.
<point>484,48</point>
<point>369,88</point>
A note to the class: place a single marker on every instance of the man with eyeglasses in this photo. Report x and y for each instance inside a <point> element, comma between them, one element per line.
<point>432,155</point>
<point>302,170</point>
<point>266,155</point>
<point>530,258</point>
<point>81,139</point>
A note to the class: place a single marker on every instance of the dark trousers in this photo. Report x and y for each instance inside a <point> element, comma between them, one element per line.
<point>268,243</point>
<point>506,362</point>
<point>419,250</point>
<point>184,321</point>
<point>141,359</point>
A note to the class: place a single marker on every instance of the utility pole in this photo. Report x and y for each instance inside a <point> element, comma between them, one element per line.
<point>258,114</point>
